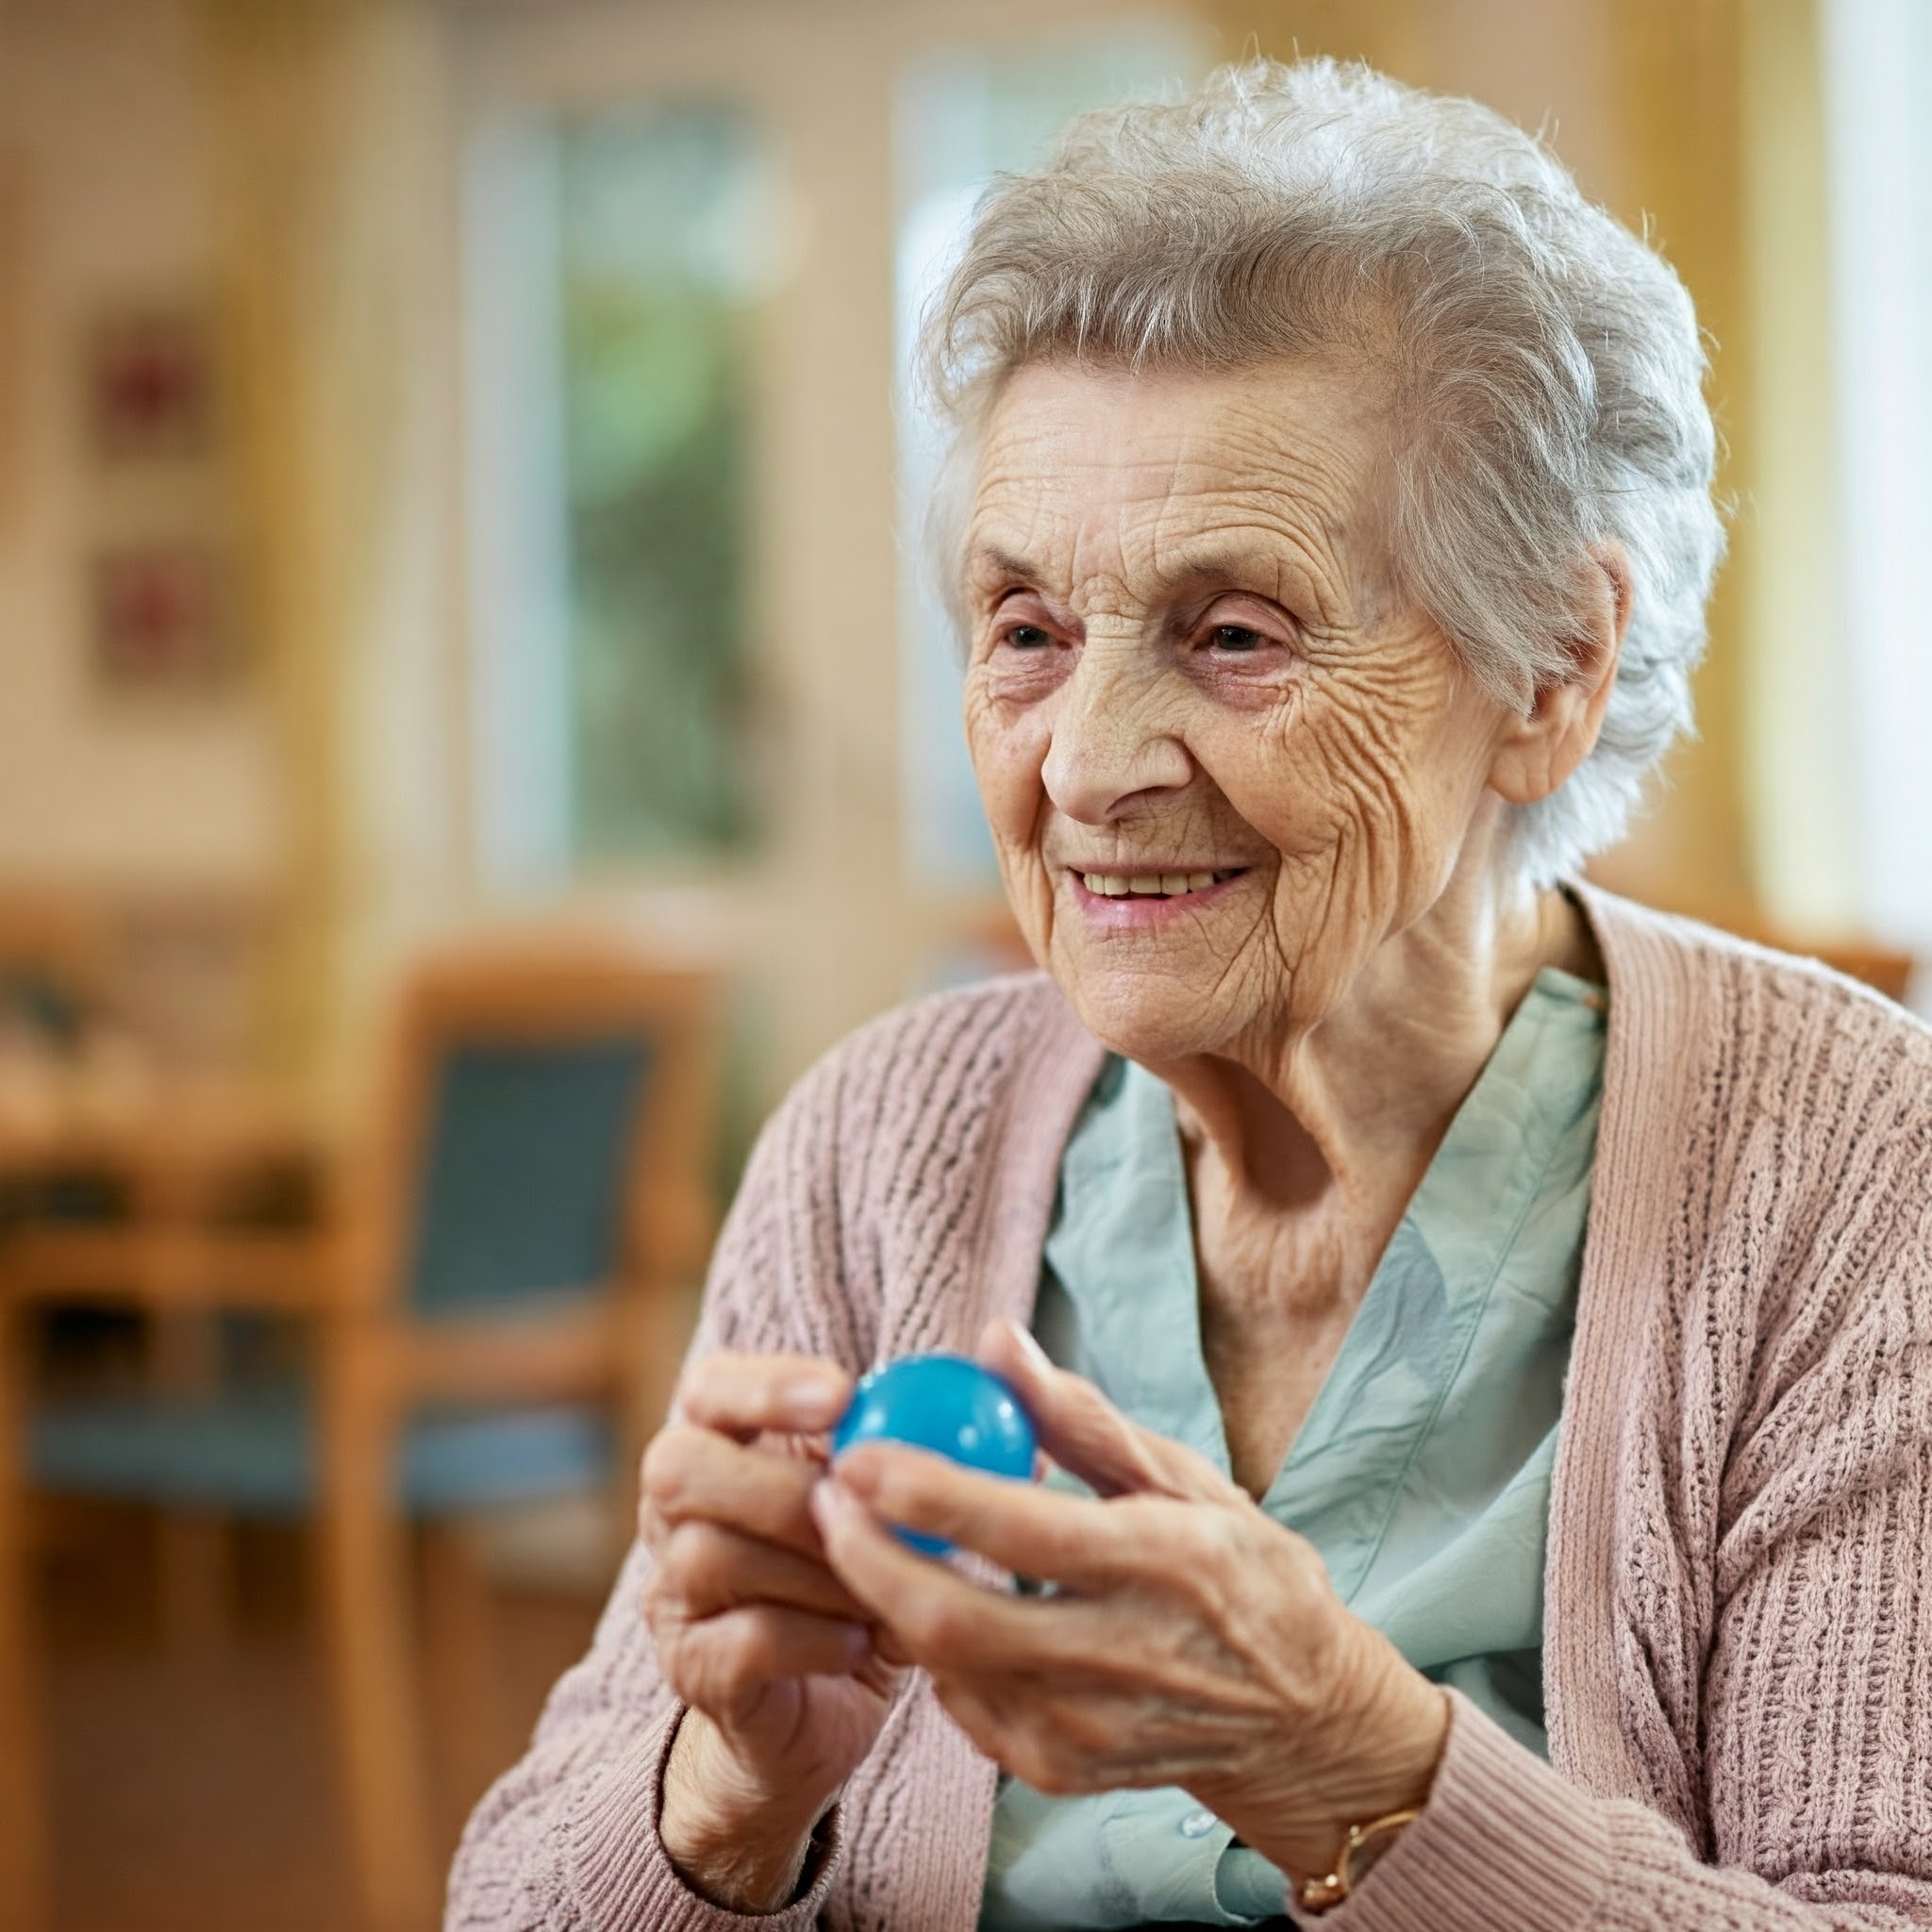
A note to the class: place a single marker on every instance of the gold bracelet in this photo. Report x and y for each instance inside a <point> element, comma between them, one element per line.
<point>1323,1894</point>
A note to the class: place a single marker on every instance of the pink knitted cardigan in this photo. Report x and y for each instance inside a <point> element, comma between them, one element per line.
<point>1738,1625</point>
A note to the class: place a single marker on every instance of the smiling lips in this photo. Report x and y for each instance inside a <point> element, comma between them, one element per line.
<point>1154,885</point>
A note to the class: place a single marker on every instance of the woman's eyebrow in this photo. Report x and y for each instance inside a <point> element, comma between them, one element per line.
<point>1256,569</point>
<point>1259,570</point>
<point>989,560</point>
<point>1243,564</point>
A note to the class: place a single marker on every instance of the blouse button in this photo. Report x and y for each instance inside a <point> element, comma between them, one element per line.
<point>1198,1823</point>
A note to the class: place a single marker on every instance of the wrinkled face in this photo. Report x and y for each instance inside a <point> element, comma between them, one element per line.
<point>1222,761</point>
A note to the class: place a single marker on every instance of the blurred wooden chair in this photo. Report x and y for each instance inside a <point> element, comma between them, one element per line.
<point>491,1306</point>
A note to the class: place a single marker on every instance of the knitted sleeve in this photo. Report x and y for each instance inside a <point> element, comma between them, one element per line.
<point>1778,1603</point>
<point>1825,1669</point>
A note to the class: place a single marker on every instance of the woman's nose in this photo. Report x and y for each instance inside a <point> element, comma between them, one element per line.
<point>1114,739</point>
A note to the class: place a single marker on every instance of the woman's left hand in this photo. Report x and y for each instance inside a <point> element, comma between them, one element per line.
<point>1191,1639</point>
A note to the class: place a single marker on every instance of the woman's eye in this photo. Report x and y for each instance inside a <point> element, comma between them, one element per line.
<point>1235,637</point>
<point>1027,637</point>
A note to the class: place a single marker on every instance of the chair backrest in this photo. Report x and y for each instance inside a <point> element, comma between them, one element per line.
<point>545,1125</point>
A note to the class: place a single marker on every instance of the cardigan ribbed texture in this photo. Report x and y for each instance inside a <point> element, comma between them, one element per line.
<point>1737,1629</point>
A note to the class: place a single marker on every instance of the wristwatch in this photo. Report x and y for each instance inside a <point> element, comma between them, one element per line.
<point>1364,1844</point>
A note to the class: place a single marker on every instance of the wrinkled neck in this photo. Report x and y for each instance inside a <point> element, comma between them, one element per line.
<point>1347,1109</point>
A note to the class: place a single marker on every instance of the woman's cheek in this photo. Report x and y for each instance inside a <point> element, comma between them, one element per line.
<point>1270,772</point>
<point>1006,735</point>
<point>1008,745</point>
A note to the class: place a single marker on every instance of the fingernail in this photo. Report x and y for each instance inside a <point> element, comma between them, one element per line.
<point>831,1501</point>
<point>1030,1347</point>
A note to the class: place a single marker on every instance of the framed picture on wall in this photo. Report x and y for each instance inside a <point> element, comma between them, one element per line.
<point>150,385</point>
<point>161,623</point>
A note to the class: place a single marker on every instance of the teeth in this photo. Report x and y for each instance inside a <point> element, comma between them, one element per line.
<point>1172,885</point>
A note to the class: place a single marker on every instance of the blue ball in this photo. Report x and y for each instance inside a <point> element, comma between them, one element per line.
<point>949,1405</point>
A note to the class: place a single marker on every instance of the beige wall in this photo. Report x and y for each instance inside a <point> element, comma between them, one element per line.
<point>101,138</point>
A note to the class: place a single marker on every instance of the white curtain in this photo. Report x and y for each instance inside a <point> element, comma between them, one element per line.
<point>1877,58</point>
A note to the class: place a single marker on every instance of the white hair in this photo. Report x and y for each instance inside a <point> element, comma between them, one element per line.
<point>1543,366</point>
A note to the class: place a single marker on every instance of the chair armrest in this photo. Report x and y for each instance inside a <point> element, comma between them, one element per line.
<point>572,1354</point>
<point>171,1269</point>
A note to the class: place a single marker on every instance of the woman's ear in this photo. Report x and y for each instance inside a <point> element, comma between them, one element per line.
<point>1540,749</point>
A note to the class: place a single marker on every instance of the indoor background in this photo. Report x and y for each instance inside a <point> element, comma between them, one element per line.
<point>473,731</point>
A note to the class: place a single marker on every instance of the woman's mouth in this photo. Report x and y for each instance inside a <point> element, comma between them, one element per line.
<point>1154,885</point>
<point>1125,903</point>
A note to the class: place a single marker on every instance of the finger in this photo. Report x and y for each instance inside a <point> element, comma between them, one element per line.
<point>707,1569</point>
<point>692,1474</point>
<point>1044,1534</point>
<point>932,1614</point>
<point>721,1663</point>
<point>1085,1434</point>
<point>745,1395</point>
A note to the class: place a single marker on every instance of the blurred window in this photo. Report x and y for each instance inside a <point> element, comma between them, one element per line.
<point>963,117</point>
<point>1878,67</point>
<point>614,262</point>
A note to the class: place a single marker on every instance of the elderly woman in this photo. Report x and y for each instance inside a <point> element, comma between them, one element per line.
<point>1478,1329</point>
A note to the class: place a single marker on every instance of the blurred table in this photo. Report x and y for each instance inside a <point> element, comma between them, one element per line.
<point>135,1184</point>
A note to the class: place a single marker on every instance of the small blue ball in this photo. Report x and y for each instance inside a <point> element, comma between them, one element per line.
<point>949,1405</point>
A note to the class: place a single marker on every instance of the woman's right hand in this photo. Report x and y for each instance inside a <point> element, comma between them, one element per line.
<point>774,1660</point>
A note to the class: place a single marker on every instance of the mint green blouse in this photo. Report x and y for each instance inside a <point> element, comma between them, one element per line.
<point>1420,1473</point>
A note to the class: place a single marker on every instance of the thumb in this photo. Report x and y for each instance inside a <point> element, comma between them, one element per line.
<point>1085,1433</point>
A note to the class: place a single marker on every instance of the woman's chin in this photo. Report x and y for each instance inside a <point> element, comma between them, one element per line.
<point>1147,1012</point>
